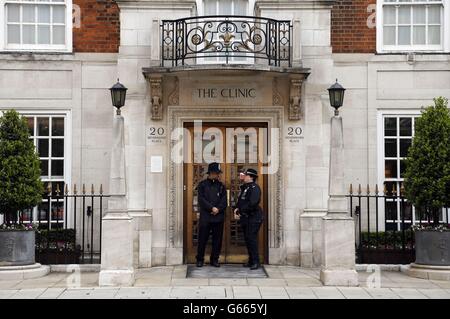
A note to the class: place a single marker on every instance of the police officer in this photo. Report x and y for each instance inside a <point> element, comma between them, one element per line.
<point>212,202</point>
<point>251,216</point>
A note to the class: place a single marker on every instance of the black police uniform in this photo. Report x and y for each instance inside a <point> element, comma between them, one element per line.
<point>251,218</point>
<point>211,193</point>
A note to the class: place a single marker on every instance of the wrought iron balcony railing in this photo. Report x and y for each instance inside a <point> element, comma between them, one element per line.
<point>226,39</point>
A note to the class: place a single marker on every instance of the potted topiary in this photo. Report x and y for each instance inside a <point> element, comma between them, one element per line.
<point>427,182</point>
<point>20,188</point>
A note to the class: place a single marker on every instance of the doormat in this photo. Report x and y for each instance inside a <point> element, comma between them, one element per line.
<point>224,271</point>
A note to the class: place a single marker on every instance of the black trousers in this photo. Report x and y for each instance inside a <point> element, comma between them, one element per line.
<point>216,230</point>
<point>250,227</point>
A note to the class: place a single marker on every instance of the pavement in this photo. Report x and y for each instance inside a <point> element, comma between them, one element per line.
<point>171,282</point>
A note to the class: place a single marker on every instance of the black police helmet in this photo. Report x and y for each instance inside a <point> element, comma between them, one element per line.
<point>251,172</point>
<point>214,168</point>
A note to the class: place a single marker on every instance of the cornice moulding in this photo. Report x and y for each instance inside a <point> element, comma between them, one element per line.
<point>293,5</point>
<point>157,5</point>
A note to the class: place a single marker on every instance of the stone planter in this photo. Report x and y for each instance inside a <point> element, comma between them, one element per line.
<point>17,247</point>
<point>432,248</point>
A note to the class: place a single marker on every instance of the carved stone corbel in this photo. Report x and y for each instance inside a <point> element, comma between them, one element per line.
<point>295,112</point>
<point>156,98</point>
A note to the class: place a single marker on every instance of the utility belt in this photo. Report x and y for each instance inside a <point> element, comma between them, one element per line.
<point>250,214</point>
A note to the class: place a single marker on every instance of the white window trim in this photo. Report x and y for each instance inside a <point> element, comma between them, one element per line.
<point>445,34</point>
<point>67,48</point>
<point>380,137</point>
<point>381,114</point>
<point>380,155</point>
<point>210,60</point>
<point>67,145</point>
<point>201,9</point>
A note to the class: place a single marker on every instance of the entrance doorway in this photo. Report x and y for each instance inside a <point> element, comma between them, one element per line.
<point>236,146</point>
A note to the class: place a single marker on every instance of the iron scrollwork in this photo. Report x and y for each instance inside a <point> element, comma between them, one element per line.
<point>226,39</point>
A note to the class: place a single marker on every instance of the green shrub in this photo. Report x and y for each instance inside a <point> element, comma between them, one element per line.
<point>20,183</point>
<point>427,175</point>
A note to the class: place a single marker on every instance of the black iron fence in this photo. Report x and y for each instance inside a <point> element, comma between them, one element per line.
<point>68,224</point>
<point>226,39</point>
<point>383,221</point>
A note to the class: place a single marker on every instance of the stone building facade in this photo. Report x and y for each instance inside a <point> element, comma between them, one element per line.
<point>59,59</point>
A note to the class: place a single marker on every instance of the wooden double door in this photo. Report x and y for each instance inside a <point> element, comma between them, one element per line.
<point>235,152</point>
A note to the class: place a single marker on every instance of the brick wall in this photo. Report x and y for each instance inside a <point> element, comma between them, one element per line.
<point>350,32</point>
<point>99,26</point>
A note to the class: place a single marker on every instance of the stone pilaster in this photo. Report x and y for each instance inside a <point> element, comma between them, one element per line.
<point>117,228</point>
<point>338,259</point>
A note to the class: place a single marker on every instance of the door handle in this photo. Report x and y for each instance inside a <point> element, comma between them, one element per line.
<point>228,197</point>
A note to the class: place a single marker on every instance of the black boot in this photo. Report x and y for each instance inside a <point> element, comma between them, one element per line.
<point>254,266</point>
<point>199,263</point>
<point>215,263</point>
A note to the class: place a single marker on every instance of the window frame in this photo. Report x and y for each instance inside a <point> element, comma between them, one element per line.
<point>67,157</point>
<point>382,114</point>
<point>5,47</point>
<point>445,31</point>
<point>217,60</point>
<point>201,8</point>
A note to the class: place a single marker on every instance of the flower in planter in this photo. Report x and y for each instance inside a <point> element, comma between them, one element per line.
<point>19,226</point>
<point>440,228</point>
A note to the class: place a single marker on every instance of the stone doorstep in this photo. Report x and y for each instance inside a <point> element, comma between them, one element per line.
<point>225,271</point>
<point>24,272</point>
